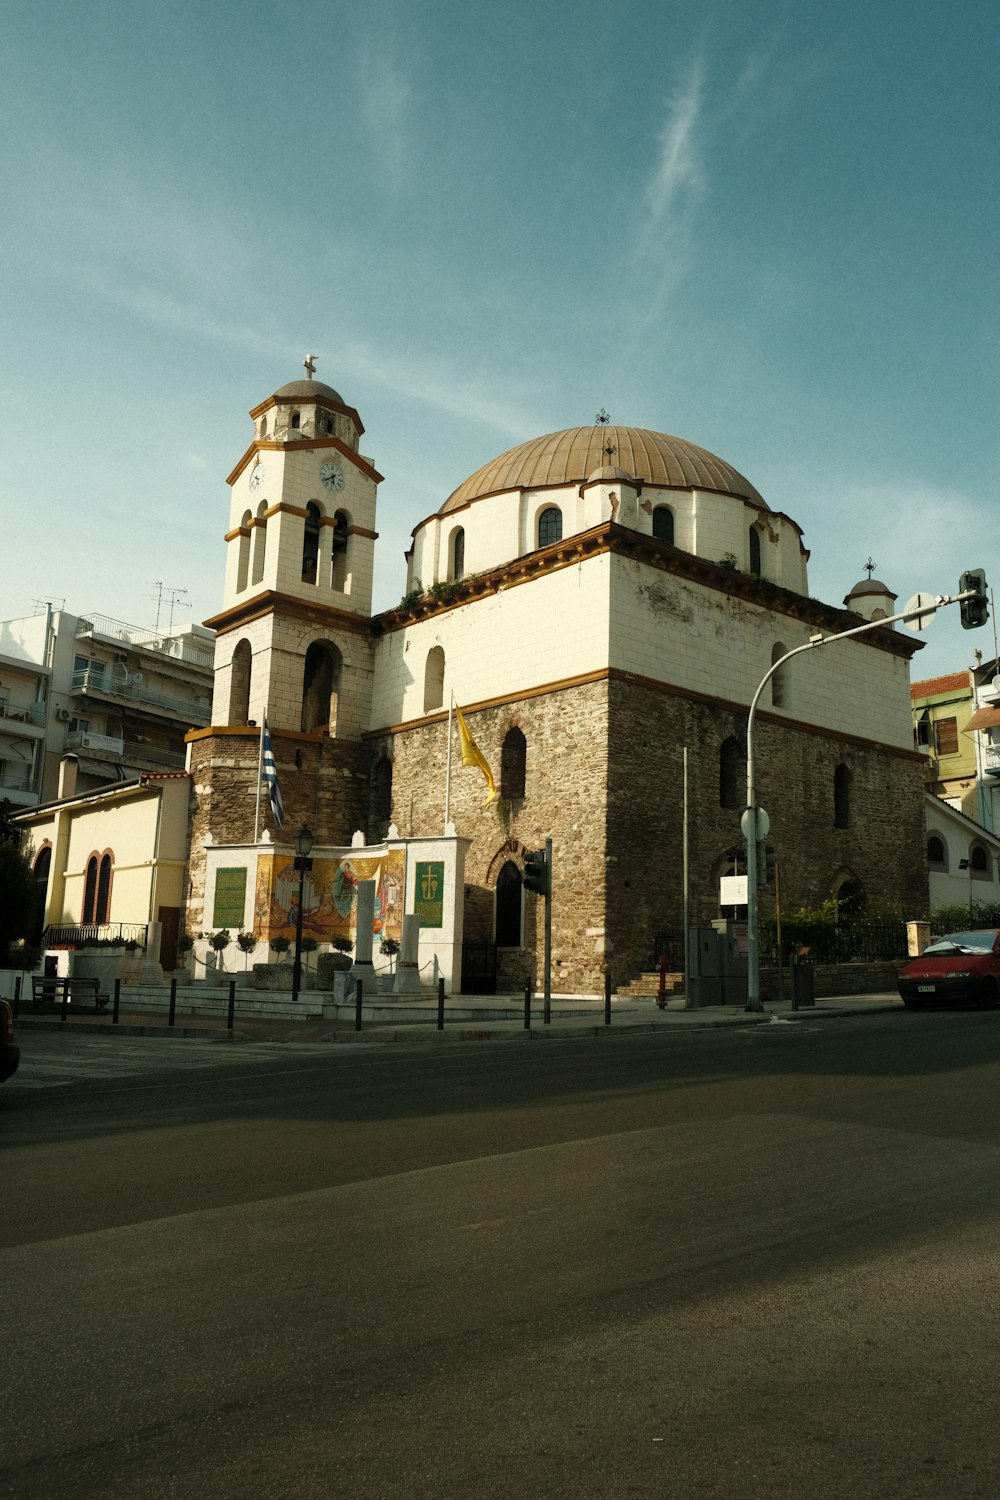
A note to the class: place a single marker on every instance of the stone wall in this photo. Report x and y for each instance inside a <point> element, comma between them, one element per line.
<point>324,783</point>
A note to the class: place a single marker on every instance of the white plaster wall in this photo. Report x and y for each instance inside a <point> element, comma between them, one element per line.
<point>675,631</point>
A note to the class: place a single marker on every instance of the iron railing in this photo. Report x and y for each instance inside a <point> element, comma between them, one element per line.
<point>849,942</point>
<point>479,966</point>
<point>88,934</point>
<point>671,944</point>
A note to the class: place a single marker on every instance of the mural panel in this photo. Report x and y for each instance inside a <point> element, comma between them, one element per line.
<point>329,896</point>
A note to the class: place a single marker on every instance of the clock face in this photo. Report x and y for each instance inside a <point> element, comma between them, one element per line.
<point>257,478</point>
<point>332,476</point>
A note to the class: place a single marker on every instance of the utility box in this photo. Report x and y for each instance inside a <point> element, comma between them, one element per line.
<point>719,964</point>
<point>803,983</point>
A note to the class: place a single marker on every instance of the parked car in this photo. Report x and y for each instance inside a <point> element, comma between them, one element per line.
<point>962,966</point>
<point>10,1053</point>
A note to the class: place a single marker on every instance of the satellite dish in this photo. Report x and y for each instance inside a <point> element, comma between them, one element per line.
<point>995,684</point>
<point>927,604</point>
<point>136,678</point>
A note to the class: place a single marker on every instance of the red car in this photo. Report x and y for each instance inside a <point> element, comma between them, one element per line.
<point>10,1054</point>
<point>959,966</point>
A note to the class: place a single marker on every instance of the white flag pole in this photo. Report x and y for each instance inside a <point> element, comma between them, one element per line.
<point>447,773</point>
<point>260,773</point>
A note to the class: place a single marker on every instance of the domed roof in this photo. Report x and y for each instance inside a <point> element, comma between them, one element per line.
<point>570,457</point>
<point>870,586</point>
<point>306,390</point>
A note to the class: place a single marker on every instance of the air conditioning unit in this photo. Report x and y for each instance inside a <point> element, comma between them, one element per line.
<point>63,713</point>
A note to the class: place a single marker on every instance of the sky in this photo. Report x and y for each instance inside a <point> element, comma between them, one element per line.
<point>768,228</point>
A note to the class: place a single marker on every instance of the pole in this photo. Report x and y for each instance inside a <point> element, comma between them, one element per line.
<point>753,940</point>
<point>690,1002</point>
<point>117,1001</point>
<point>297,965</point>
<point>547,1013</point>
<point>231,1014</point>
<point>359,998</point>
<point>260,773</point>
<point>172,1013</point>
<point>527,1003</point>
<point>607,999</point>
<point>447,769</point>
<point>440,1004</point>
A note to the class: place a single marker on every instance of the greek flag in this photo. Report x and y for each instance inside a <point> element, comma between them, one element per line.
<point>269,774</point>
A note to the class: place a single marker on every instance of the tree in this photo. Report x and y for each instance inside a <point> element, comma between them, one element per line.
<point>18,896</point>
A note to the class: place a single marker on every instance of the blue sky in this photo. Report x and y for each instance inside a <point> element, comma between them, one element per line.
<point>768,228</point>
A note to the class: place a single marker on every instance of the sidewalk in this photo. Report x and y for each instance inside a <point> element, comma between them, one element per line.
<point>486,1018</point>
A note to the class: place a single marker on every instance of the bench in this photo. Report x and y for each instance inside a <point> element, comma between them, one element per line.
<point>62,989</point>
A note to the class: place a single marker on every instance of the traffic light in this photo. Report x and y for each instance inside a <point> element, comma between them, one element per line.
<point>975,611</point>
<point>536,873</point>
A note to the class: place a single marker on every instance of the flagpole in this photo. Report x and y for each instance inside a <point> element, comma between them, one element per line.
<point>447,773</point>
<point>260,773</point>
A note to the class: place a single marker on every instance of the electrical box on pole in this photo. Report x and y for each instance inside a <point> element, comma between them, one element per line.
<point>975,611</point>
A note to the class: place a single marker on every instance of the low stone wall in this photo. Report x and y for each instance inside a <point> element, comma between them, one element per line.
<point>837,979</point>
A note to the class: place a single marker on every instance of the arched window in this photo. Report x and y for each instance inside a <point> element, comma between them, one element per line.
<point>259,542</point>
<point>263,426</point>
<point>937,852</point>
<point>550,526</point>
<point>328,425</point>
<point>321,687</point>
<point>508,907</point>
<point>842,797</point>
<point>296,421</point>
<point>979,862</point>
<point>97,889</point>
<point>243,564</point>
<point>338,558</point>
<point>513,757</point>
<point>239,684</point>
<point>382,791</point>
<point>456,563</point>
<point>732,773</point>
<point>42,866</point>
<point>755,551</point>
<point>779,682</point>
<point>434,679</point>
<point>663,524</point>
<point>310,543</point>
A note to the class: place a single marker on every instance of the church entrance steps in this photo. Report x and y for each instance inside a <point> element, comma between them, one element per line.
<point>647,985</point>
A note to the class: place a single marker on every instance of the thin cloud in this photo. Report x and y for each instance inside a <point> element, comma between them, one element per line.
<point>386,93</point>
<point>678,175</point>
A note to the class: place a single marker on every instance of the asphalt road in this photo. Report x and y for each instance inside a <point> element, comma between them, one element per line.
<point>742,1264</point>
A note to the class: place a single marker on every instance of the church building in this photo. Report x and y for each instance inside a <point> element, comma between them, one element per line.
<point>597,601</point>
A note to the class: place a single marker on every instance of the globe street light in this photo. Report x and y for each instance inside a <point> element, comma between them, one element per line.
<point>303,845</point>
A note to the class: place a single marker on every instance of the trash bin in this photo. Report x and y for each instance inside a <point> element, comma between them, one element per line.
<point>803,983</point>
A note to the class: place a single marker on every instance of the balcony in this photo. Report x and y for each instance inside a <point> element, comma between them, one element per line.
<point>15,786</point>
<point>27,722</point>
<point>133,754</point>
<point>991,760</point>
<point>118,633</point>
<point>123,688</point>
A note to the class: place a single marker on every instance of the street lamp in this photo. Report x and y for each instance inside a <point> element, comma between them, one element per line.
<point>303,845</point>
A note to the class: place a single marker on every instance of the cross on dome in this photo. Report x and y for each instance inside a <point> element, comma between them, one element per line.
<point>309,365</point>
<point>869,566</point>
<point>602,419</point>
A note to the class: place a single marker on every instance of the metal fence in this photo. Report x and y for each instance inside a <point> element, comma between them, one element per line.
<point>89,934</point>
<point>670,943</point>
<point>849,942</point>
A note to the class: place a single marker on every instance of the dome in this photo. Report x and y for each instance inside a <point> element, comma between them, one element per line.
<point>572,456</point>
<point>307,390</point>
<point>870,586</point>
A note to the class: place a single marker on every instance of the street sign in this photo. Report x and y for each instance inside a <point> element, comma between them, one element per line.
<point>763,823</point>
<point>927,605</point>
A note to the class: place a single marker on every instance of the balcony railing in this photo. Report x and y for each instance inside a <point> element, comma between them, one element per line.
<point>15,780</point>
<point>89,934</point>
<point>991,760</point>
<point>35,715</point>
<point>179,647</point>
<point>115,685</point>
<point>127,752</point>
<point>103,744</point>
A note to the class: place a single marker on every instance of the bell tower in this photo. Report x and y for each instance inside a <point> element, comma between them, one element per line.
<point>293,643</point>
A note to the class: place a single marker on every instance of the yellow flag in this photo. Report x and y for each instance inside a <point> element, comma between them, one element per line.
<point>473,756</point>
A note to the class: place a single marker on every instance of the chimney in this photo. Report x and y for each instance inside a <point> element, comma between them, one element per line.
<point>69,768</point>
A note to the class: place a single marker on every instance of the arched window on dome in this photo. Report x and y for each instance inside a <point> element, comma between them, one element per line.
<point>239,684</point>
<point>263,426</point>
<point>779,681</point>
<point>456,555</point>
<point>310,543</point>
<point>755,567</point>
<point>243,559</point>
<point>663,524</point>
<point>259,543</point>
<point>842,797</point>
<point>296,421</point>
<point>328,426</point>
<point>339,576</point>
<point>550,526</point>
<point>732,773</point>
<point>513,763</point>
<point>434,679</point>
<point>509,906</point>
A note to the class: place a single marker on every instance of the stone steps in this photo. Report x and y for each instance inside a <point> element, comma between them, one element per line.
<point>648,985</point>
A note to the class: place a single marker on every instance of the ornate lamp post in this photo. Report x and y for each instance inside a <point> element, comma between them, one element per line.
<point>303,845</point>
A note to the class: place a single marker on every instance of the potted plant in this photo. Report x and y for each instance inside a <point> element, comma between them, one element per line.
<point>309,945</point>
<point>280,945</point>
<point>390,948</point>
<point>246,942</point>
<point>220,942</point>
